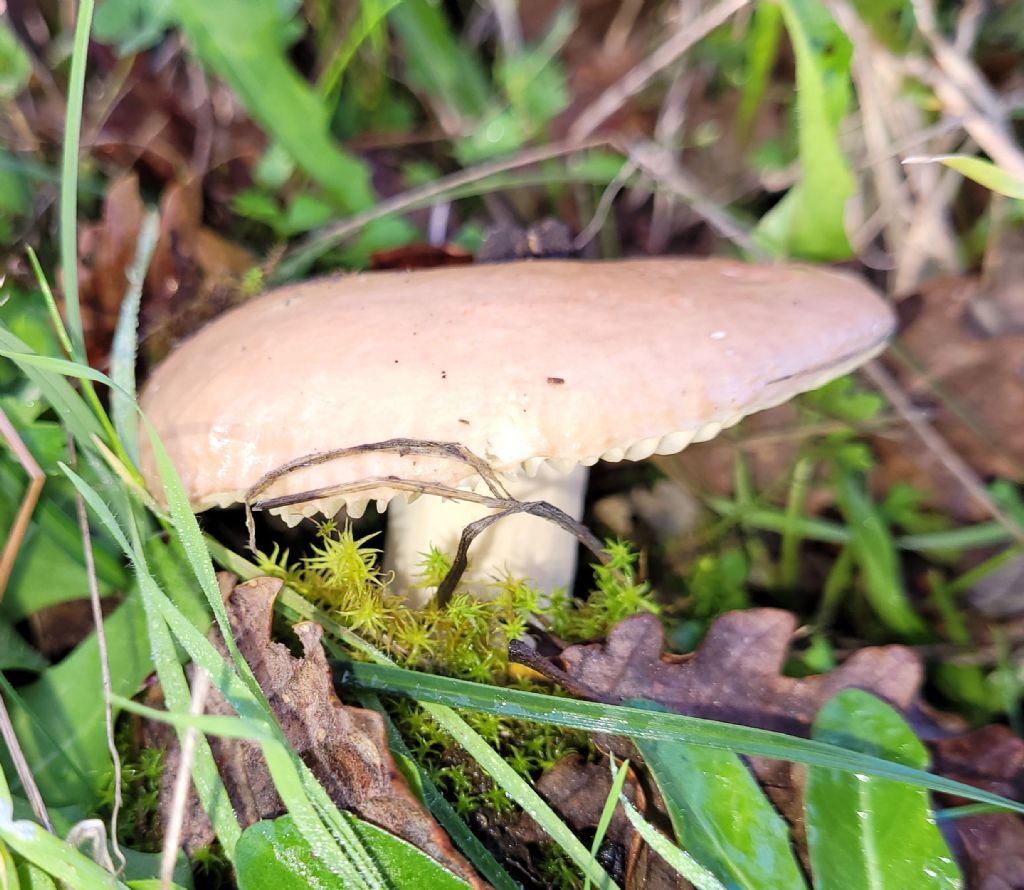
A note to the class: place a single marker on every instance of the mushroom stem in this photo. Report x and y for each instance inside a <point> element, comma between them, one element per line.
<point>522,546</point>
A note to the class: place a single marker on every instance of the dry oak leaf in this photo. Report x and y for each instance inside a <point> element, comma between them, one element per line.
<point>735,674</point>
<point>345,747</point>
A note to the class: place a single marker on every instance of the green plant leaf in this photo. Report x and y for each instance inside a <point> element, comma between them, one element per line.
<point>867,832</point>
<point>16,653</point>
<point>275,854</point>
<point>133,25</point>
<point>641,724</point>
<point>979,170</point>
<point>244,43</point>
<point>438,63</point>
<point>808,221</point>
<point>15,65</point>
<point>59,718</point>
<point>720,814</point>
<point>875,552</point>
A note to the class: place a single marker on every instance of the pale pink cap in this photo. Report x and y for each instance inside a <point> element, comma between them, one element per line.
<point>560,361</point>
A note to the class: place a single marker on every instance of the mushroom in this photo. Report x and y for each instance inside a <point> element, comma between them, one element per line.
<point>539,368</point>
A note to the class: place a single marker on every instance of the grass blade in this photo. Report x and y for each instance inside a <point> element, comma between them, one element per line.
<point>637,723</point>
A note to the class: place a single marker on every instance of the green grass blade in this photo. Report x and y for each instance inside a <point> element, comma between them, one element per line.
<point>679,859</point>
<point>979,170</point>
<point>470,845</point>
<point>69,405</point>
<point>607,811</point>
<point>517,788</point>
<point>124,349</point>
<point>875,552</point>
<point>642,724</point>
<point>69,178</point>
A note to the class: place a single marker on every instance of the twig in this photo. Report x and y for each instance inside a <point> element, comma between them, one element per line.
<point>101,643</point>
<point>612,99</point>
<point>658,163</point>
<point>520,653</point>
<point>965,93</point>
<point>36,478</point>
<point>604,205</point>
<point>179,797</point>
<point>621,27</point>
<point>506,13</point>
<point>935,443</point>
<point>21,767</point>
<point>499,500</point>
<point>332,235</point>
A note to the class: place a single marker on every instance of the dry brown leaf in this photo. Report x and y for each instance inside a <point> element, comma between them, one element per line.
<point>735,674</point>
<point>973,383</point>
<point>194,275</point>
<point>107,250</point>
<point>420,256</point>
<point>992,845</point>
<point>345,747</point>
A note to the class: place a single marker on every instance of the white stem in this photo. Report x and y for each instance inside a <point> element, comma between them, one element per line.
<point>524,546</point>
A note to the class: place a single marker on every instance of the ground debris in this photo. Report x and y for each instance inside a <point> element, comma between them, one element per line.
<point>345,747</point>
<point>735,674</point>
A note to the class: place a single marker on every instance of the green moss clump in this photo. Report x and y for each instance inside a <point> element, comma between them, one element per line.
<point>468,639</point>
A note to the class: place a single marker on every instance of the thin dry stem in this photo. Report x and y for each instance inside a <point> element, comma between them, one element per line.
<point>604,205</point>
<point>104,653</point>
<point>935,443</point>
<point>964,92</point>
<point>334,234</point>
<point>179,797</point>
<point>658,163</point>
<point>612,99</point>
<point>499,500</point>
<point>21,767</point>
<point>36,478</point>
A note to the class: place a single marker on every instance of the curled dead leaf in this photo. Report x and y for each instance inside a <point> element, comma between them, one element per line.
<point>736,673</point>
<point>345,747</point>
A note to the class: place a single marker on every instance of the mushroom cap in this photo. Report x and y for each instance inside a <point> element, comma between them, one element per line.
<point>560,361</point>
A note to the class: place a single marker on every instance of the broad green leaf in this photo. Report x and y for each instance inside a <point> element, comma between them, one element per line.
<point>808,221</point>
<point>872,833</point>
<point>979,170</point>
<point>720,814</point>
<point>275,854</point>
<point>60,717</point>
<point>875,552</point>
<point>140,868</point>
<point>10,874</point>
<point>52,855</point>
<point>244,43</point>
<point>16,653</point>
